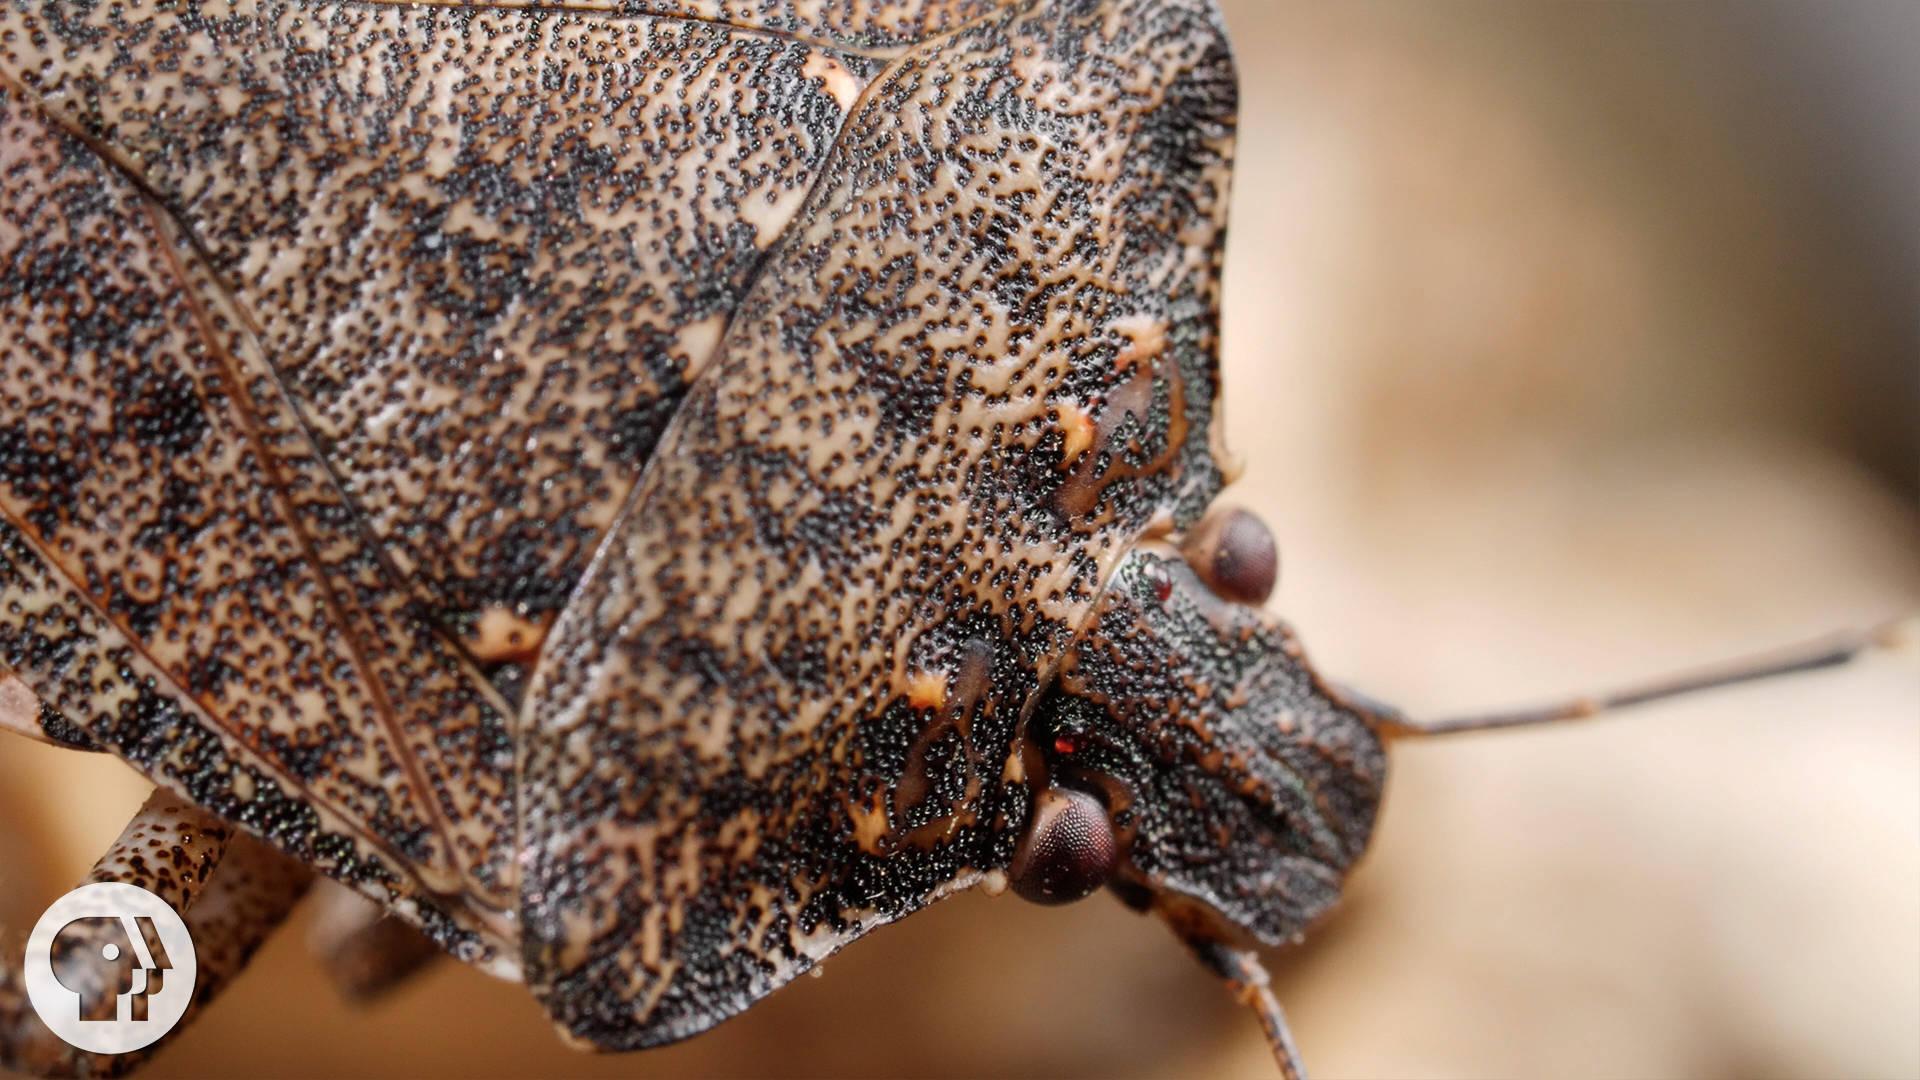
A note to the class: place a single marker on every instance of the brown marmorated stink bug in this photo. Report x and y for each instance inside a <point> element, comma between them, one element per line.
<point>650,490</point>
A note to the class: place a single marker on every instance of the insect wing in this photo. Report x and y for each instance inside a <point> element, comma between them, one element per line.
<point>173,575</point>
<point>780,710</point>
<point>336,333</point>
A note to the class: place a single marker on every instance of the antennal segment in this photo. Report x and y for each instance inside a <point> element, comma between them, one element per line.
<point>1830,651</point>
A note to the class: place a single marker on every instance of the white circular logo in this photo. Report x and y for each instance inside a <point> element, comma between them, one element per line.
<point>110,967</point>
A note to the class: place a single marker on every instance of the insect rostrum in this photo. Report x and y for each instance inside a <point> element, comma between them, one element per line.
<point>648,492</point>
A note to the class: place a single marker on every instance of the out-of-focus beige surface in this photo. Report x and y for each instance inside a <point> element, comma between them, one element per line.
<point>1566,343</point>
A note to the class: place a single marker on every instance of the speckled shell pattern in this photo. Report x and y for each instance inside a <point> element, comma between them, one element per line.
<point>607,481</point>
<point>1243,785</point>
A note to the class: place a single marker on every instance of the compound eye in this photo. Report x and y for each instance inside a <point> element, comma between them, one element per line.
<point>1234,553</point>
<point>1069,850</point>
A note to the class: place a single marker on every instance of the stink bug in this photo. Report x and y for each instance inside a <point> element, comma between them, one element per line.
<point>649,495</point>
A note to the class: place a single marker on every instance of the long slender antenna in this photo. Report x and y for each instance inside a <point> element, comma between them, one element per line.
<point>1827,652</point>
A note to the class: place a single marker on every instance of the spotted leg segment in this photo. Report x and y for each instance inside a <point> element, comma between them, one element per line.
<point>231,890</point>
<point>1247,979</point>
<point>251,895</point>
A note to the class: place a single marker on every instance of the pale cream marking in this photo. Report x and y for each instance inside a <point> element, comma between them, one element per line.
<point>834,75</point>
<point>1078,428</point>
<point>652,937</point>
<point>927,690</point>
<point>869,823</point>
<point>1146,339</point>
<point>699,340</point>
<point>501,634</point>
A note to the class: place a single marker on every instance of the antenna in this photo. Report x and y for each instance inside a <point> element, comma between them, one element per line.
<point>1830,651</point>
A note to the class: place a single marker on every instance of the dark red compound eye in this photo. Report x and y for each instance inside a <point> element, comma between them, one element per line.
<point>1069,850</point>
<point>1234,553</point>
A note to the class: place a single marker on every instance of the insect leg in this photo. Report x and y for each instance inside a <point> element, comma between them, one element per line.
<point>230,889</point>
<point>1827,652</point>
<point>248,898</point>
<point>1247,978</point>
<point>367,951</point>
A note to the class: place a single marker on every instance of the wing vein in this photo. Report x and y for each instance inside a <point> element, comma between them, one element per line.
<point>248,412</point>
<point>170,224</point>
<point>649,474</point>
<point>206,713</point>
<point>52,560</point>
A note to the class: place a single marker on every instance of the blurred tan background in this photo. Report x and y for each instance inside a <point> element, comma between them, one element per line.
<point>1566,343</point>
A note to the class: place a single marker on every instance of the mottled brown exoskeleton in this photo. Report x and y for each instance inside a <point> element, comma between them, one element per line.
<point>650,490</point>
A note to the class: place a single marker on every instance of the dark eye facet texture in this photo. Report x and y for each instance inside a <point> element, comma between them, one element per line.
<point>1069,851</point>
<point>1234,553</point>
